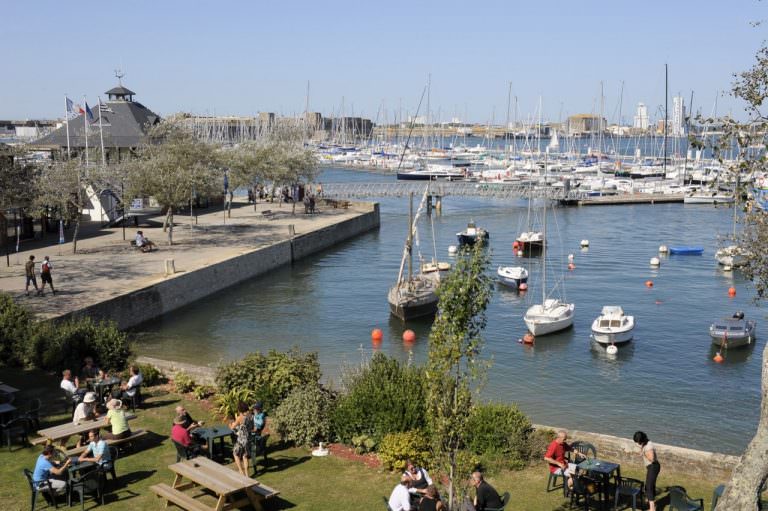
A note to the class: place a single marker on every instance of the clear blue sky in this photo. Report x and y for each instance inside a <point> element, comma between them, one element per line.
<point>242,57</point>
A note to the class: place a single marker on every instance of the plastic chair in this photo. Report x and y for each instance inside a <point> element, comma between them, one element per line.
<point>628,487</point>
<point>33,413</point>
<point>183,453</point>
<point>134,401</point>
<point>386,503</point>
<point>716,495</point>
<point>680,501</point>
<point>552,483</point>
<point>35,489</point>
<point>91,482</point>
<point>258,445</point>
<point>16,428</point>
<point>583,487</point>
<point>504,502</point>
<point>109,467</point>
<point>586,449</point>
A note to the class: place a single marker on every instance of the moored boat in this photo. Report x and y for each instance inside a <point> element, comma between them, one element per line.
<point>686,250</point>
<point>472,234</point>
<point>512,276</point>
<point>733,332</point>
<point>612,326</point>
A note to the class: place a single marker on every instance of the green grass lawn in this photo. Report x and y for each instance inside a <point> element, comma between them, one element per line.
<point>305,482</point>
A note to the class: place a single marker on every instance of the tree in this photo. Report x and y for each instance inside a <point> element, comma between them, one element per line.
<point>453,365</point>
<point>15,178</point>
<point>748,477</point>
<point>172,167</point>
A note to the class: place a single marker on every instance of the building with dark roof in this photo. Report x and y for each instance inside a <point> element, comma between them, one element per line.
<point>124,126</point>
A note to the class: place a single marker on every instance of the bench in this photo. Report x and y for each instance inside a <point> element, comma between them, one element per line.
<point>174,496</point>
<point>264,491</point>
<point>268,214</point>
<point>138,433</point>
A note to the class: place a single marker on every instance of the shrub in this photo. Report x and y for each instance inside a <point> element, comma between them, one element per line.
<point>227,401</point>
<point>271,377</point>
<point>304,416</point>
<point>363,444</point>
<point>499,433</point>
<point>151,374</point>
<point>538,441</point>
<point>203,391</point>
<point>183,382</point>
<point>396,448</point>
<point>383,397</point>
<point>16,324</point>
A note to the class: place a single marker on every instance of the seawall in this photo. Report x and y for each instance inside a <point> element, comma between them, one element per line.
<point>174,291</point>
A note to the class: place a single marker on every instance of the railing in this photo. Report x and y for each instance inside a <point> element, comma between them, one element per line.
<point>449,188</point>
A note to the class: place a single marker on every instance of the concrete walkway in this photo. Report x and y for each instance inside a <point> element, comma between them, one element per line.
<point>107,266</point>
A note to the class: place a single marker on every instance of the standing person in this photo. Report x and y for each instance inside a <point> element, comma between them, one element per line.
<point>242,426</point>
<point>259,418</point>
<point>45,275</point>
<point>45,466</point>
<point>652,467</point>
<point>29,271</point>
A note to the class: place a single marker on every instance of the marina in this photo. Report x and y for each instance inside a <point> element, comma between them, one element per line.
<point>295,306</point>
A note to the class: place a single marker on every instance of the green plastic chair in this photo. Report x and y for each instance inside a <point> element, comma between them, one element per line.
<point>504,502</point>
<point>716,495</point>
<point>680,501</point>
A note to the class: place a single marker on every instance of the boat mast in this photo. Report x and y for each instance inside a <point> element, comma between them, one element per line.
<point>544,235</point>
<point>410,237</point>
<point>506,128</point>
<point>666,114</point>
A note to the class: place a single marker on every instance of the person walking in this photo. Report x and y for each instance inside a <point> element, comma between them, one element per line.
<point>242,426</point>
<point>29,270</point>
<point>652,467</point>
<point>45,275</point>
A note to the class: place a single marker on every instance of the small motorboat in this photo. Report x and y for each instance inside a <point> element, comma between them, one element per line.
<point>529,243</point>
<point>612,326</point>
<point>436,269</point>
<point>686,250</point>
<point>512,276</point>
<point>733,332</point>
<point>471,234</point>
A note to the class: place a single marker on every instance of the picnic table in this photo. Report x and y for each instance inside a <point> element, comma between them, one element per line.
<point>209,435</point>
<point>224,482</point>
<point>604,469</point>
<point>66,430</point>
<point>101,387</point>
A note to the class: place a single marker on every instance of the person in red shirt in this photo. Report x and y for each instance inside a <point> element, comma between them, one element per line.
<point>555,456</point>
<point>180,434</point>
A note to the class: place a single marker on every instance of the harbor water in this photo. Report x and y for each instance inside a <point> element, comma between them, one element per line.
<point>663,382</point>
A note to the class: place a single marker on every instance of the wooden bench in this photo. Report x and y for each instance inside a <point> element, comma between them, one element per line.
<point>174,496</point>
<point>268,214</point>
<point>138,433</point>
<point>265,491</point>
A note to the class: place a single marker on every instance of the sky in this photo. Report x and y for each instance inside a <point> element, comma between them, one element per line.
<point>374,59</point>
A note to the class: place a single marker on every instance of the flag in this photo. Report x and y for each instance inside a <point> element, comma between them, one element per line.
<point>71,111</point>
<point>103,107</point>
<point>88,113</point>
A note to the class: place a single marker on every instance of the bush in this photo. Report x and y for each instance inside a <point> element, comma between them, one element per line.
<point>396,448</point>
<point>304,417</point>
<point>227,401</point>
<point>499,433</point>
<point>151,374</point>
<point>271,377</point>
<point>538,441</point>
<point>363,444</point>
<point>383,397</point>
<point>183,382</point>
<point>203,391</point>
<point>16,325</point>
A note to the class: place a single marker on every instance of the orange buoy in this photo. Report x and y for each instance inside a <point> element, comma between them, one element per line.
<point>571,266</point>
<point>515,245</point>
<point>718,358</point>
<point>648,283</point>
<point>731,292</point>
<point>528,338</point>
<point>409,336</point>
<point>523,287</point>
<point>377,335</point>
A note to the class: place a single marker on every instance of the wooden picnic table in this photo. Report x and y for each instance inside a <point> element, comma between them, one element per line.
<point>222,481</point>
<point>68,429</point>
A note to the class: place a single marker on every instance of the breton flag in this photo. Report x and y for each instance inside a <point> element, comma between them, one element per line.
<point>72,109</point>
<point>103,107</point>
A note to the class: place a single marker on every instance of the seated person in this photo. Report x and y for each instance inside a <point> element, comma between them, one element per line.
<point>116,418</point>
<point>89,370</point>
<point>486,496</point>
<point>419,478</point>
<point>45,467</point>
<point>70,386</point>
<point>144,243</point>
<point>134,382</point>
<point>555,456</point>
<point>97,451</point>
<point>189,423</point>
<point>431,500</point>
<point>400,499</point>
<point>86,410</point>
<point>180,435</point>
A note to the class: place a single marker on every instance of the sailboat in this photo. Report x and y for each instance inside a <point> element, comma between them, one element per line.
<point>414,295</point>
<point>529,242</point>
<point>552,314</point>
<point>733,256</point>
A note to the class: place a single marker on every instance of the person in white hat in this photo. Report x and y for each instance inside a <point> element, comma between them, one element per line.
<point>116,418</point>
<point>86,410</point>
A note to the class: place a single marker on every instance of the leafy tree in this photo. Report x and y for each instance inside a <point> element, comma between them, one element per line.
<point>16,178</point>
<point>454,366</point>
<point>172,167</point>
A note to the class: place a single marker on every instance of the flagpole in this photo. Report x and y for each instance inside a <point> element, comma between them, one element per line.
<point>101,136</point>
<point>85,127</point>
<point>66,121</point>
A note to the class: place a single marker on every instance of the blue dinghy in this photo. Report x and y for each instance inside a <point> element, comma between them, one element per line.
<point>693,250</point>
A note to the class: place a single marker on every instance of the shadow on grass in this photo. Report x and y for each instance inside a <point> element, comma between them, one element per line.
<point>147,405</point>
<point>125,480</point>
<point>282,463</point>
<point>279,503</point>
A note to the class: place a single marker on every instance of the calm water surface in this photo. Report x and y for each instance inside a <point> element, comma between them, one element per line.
<point>664,382</point>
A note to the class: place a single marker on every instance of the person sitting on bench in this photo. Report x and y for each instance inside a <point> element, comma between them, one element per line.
<point>144,244</point>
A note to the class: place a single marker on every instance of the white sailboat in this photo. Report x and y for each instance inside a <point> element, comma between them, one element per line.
<point>552,314</point>
<point>732,256</point>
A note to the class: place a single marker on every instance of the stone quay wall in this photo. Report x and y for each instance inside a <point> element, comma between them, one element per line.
<point>180,289</point>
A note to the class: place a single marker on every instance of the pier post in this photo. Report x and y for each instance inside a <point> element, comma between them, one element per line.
<point>429,205</point>
<point>438,203</point>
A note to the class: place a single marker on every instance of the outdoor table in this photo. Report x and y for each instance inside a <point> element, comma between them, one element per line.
<point>72,472</point>
<point>222,481</point>
<point>68,429</point>
<point>605,469</point>
<point>8,389</point>
<point>102,387</point>
<point>210,435</point>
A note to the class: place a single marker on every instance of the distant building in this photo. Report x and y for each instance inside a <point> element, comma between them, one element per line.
<point>584,124</point>
<point>641,117</point>
<point>124,126</point>
<point>677,121</point>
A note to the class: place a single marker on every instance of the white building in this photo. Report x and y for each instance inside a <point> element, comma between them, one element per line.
<point>641,117</point>
<point>677,122</point>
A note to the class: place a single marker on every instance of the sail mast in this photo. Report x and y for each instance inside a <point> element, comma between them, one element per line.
<point>544,236</point>
<point>666,114</point>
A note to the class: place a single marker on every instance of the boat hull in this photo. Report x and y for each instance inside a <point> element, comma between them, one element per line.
<point>471,239</point>
<point>427,176</point>
<point>410,311</point>
<point>686,250</point>
<point>511,278</point>
<point>547,321</point>
<point>616,337</point>
<point>731,338</point>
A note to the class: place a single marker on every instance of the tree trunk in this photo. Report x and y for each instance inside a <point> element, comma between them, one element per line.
<point>170,227</point>
<point>74,236</point>
<point>229,204</point>
<point>165,222</point>
<point>743,490</point>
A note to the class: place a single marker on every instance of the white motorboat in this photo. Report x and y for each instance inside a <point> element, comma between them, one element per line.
<point>612,326</point>
<point>512,276</point>
<point>708,198</point>
<point>733,332</point>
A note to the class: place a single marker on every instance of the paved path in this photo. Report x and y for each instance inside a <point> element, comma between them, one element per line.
<point>107,266</point>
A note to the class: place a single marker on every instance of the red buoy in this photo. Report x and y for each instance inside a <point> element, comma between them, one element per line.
<point>409,336</point>
<point>523,287</point>
<point>648,283</point>
<point>718,358</point>
<point>528,338</point>
<point>515,245</point>
<point>731,292</point>
<point>377,335</point>
<point>571,266</point>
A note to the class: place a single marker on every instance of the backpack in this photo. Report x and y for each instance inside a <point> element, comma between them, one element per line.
<point>45,267</point>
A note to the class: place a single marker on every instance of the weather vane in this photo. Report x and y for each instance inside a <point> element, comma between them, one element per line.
<point>119,74</point>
